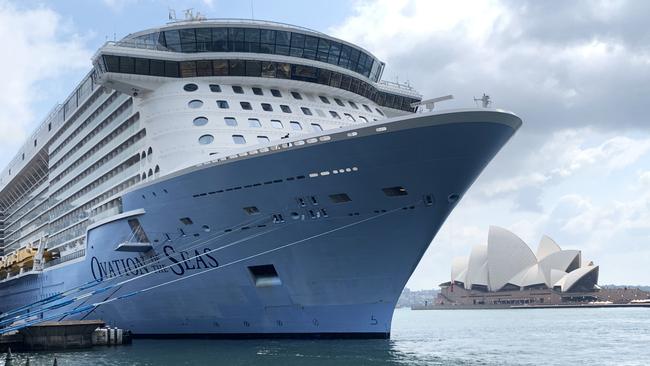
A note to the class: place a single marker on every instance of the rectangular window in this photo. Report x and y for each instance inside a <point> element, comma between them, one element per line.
<point>340,198</point>
<point>277,124</point>
<point>220,67</point>
<point>263,139</point>
<point>267,36</point>
<point>324,99</point>
<point>203,39</point>
<point>142,66</point>
<point>127,65</point>
<point>276,93</point>
<point>265,275</point>
<point>268,69</point>
<point>316,127</point>
<point>203,68</point>
<point>353,105</point>
<point>230,121</point>
<point>283,71</point>
<point>305,73</point>
<point>222,104</point>
<point>188,69</point>
<point>296,95</point>
<point>246,106</point>
<point>267,107</point>
<point>219,39</point>
<point>188,40</point>
<point>306,111</point>
<point>335,115</point>
<point>253,68</point>
<point>215,88</point>
<point>237,89</point>
<point>285,108</point>
<point>237,68</point>
<point>157,68</point>
<point>252,210</point>
<point>112,63</point>
<point>257,91</point>
<point>395,191</point>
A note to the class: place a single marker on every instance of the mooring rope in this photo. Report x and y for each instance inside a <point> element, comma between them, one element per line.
<point>95,282</point>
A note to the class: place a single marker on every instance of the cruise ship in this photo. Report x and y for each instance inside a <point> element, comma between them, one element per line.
<point>233,178</point>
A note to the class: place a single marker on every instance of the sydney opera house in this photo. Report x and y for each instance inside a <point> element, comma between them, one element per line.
<point>507,272</point>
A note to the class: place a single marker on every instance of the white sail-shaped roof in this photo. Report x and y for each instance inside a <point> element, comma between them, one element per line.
<point>458,267</point>
<point>507,256</point>
<point>477,269</point>
<point>546,246</point>
<point>506,262</point>
<point>560,260</point>
<point>573,277</point>
<point>556,276</point>
<point>528,277</point>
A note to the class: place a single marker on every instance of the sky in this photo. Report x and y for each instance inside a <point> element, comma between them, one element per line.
<point>577,73</point>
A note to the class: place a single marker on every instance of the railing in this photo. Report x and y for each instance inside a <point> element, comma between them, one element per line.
<point>65,258</point>
<point>239,21</point>
<point>396,86</point>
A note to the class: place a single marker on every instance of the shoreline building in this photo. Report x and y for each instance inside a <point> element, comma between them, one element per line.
<point>507,272</point>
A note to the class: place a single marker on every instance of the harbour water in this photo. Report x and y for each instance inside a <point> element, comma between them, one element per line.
<point>438,337</point>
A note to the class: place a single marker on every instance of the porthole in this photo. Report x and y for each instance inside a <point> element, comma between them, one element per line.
<point>230,121</point>
<point>190,87</point>
<point>295,125</point>
<point>194,104</point>
<point>254,122</point>
<point>206,228</point>
<point>238,139</point>
<point>200,121</point>
<point>206,139</point>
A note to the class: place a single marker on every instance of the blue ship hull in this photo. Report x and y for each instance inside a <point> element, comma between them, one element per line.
<point>330,217</point>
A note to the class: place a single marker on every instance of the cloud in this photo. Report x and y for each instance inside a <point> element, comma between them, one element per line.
<point>40,46</point>
<point>469,47</point>
<point>576,72</point>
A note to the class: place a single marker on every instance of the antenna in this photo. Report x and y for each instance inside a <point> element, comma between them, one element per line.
<point>252,10</point>
<point>485,99</point>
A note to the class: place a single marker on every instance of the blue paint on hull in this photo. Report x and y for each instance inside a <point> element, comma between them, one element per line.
<point>334,281</point>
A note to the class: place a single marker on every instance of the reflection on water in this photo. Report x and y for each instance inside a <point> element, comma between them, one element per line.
<point>443,337</point>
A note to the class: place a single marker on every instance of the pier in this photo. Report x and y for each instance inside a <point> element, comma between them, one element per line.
<point>67,334</point>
